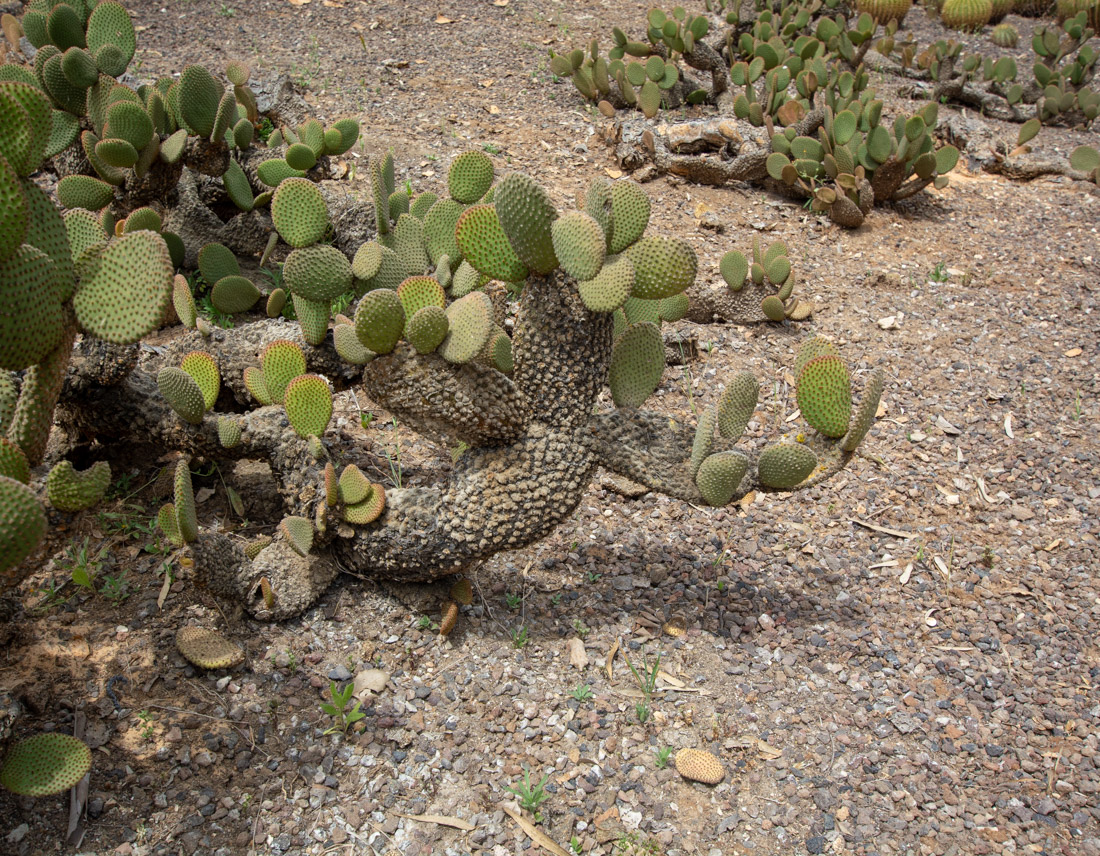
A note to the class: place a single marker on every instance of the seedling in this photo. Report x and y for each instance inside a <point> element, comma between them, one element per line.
<point>580,629</point>
<point>342,718</point>
<point>939,273</point>
<point>663,754</point>
<point>582,692</point>
<point>519,637</point>
<point>531,796</point>
<point>647,683</point>
<point>513,600</point>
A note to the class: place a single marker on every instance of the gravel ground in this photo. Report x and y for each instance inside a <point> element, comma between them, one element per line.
<point>900,661</point>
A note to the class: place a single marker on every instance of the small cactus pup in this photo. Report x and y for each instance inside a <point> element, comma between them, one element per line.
<point>1005,36</point>
<point>539,394</point>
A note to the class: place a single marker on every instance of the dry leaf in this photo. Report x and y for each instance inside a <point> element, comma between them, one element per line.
<point>1072,352</point>
<point>906,574</point>
<point>897,533</point>
<point>1008,426</point>
<point>165,586</point>
<point>767,749</point>
<point>493,110</point>
<point>942,566</point>
<point>500,2</point>
<point>486,83</point>
<point>299,2</point>
<point>611,658</point>
<point>442,820</point>
<point>946,426</point>
<point>613,173</point>
<point>532,831</point>
<point>331,5</point>
<point>577,656</point>
<point>748,499</point>
<point>439,19</point>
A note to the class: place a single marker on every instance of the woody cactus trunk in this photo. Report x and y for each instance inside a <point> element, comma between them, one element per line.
<point>529,408</point>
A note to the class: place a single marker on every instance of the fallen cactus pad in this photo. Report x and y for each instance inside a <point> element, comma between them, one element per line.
<point>699,765</point>
<point>45,764</point>
<point>207,649</point>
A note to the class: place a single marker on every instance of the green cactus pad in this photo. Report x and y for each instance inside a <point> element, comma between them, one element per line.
<point>273,172</point>
<point>22,524</point>
<point>408,243</point>
<point>256,384</point>
<point>824,395</point>
<point>348,346</point>
<point>9,397</point>
<point>256,547</point>
<point>773,308</point>
<point>13,463</point>
<point>367,261</point>
<point>636,310</point>
<point>439,229</point>
<point>611,287</point>
<point>237,187</point>
<point>866,412</point>
<point>579,244</point>
<point>14,211</point>
<point>704,439</point>
<point>299,212</point>
<point>129,292</point>
<point>785,465</point>
<point>199,97</point>
<point>482,240</point>
<point>1084,159</point>
<point>466,279</point>
<point>184,302</point>
<point>637,363</point>
<point>232,294</point>
<point>299,534</point>
<point>422,204</point>
<point>597,205</point>
<point>719,477</point>
<point>184,496</point>
<point>46,232</point>
<point>109,25</point>
<point>142,219</point>
<point>470,177</point>
<point>71,490</point>
<point>207,649</point>
<point>369,510</point>
<point>229,432</point>
<point>169,524</point>
<point>736,405</point>
<point>25,124</point>
<point>526,215</point>
<point>499,352</point>
<point>815,346</point>
<point>45,764</point>
<point>31,322</point>
<point>300,156</point>
<point>275,303</point>
<point>354,487</point>
<point>84,231</point>
<point>470,323</point>
<point>79,67</point>
<point>673,308</point>
<point>281,361</point>
<point>204,369</point>
<point>65,27</point>
<point>630,209</point>
<point>379,320</point>
<point>417,292</point>
<point>308,402</point>
<point>319,272</point>
<point>426,328</point>
<point>313,318</point>
<point>172,148</point>
<point>129,121</point>
<point>183,394</point>
<point>662,266</point>
<point>116,154</point>
<point>83,191</point>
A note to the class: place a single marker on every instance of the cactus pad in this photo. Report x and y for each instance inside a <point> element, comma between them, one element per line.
<point>308,402</point>
<point>348,346</point>
<point>427,328</point>
<point>470,323</point>
<point>736,405</point>
<point>704,439</point>
<point>824,395</point>
<point>526,214</point>
<point>217,261</point>
<point>204,369</point>
<point>462,592</point>
<point>299,212</point>
<point>773,308</point>
<point>439,229</point>
<point>232,294</point>
<point>865,413</point>
<point>22,523</point>
<point>784,465</point>
<point>637,363</point>
<point>229,432</point>
<point>31,323</point>
<point>470,177</point>
<point>320,272</point>
<point>182,393</point>
<point>207,649</point>
<point>45,764</point>
<point>579,244</point>
<point>109,26</point>
<point>13,463</point>
<point>417,292</point>
<point>630,209</point>
<point>184,496</point>
<point>379,320</point>
<point>183,301</point>
<point>662,266</point>
<point>353,486</point>
<point>610,288</point>
<point>71,490</point>
<point>482,240</point>
<point>128,293</point>
<point>369,510</point>
<point>83,191</point>
<point>299,534</point>
<point>256,384</point>
<point>281,361</point>
<point>367,261</point>
<point>720,475</point>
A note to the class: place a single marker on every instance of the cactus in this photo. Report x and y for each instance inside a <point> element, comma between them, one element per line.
<point>1005,36</point>
<point>45,764</point>
<point>966,14</point>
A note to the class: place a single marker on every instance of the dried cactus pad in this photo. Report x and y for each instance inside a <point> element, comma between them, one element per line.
<point>45,764</point>
<point>462,592</point>
<point>699,765</point>
<point>449,618</point>
<point>825,395</point>
<point>207,648</point>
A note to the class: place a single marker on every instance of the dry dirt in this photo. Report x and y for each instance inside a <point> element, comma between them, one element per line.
<point>901,661</point>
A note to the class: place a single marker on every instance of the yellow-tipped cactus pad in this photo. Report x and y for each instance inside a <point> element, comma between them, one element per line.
<point>369,510</point>
<point>281,362</point>
<point>308,402</point>
<point>204,369</point>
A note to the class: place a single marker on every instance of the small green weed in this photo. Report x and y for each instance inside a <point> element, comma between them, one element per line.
<point>663,754</point>
<point>82,564</point>
<point>514,601</point>
<point>519,637</point>
<point>582,692</point>
<point>342,717</point>
<point>580,629</point>
<point>939,273</point>
<point>531,797</point>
